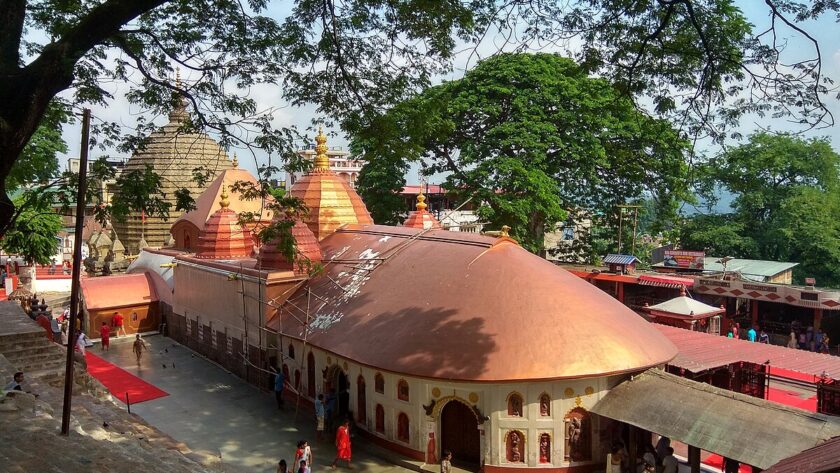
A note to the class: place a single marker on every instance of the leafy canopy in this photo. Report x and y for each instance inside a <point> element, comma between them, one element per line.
<point>526,137</point>
<point>786,206</point>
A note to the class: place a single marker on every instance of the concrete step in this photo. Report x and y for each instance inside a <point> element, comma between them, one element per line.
<point>32,350</point>
<point>12,345</point>
<point>36,333</point>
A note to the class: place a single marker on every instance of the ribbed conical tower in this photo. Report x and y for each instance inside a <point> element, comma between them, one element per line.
<point>329,198</point>
<point>222,236</point>
<point>307,249</point>
<point>173,153</point>
<point>421,218</point>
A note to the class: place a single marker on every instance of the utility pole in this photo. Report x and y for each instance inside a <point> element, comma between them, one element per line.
<point>621,208</point>
<point>81,200</point>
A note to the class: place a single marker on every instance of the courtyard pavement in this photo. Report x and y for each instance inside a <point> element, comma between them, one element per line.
<point>212,410</point>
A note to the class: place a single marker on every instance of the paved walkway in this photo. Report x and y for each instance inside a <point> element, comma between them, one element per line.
<point>210,409</point>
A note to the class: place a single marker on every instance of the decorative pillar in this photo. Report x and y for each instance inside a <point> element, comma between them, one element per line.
<point>818,313</point>
<point>754,311</point>
<point>620,292</point>
<point>694,459</point>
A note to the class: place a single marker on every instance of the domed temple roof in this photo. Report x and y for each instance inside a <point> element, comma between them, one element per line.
<point>270,256</point>
<point>421,218</point>
<point>173,151</point>
<point>330,199</point>
<point>222,236</point>
<point>463,306</point>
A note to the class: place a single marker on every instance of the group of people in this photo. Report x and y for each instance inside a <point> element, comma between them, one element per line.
<point>753,334</point>
<point>303,455</point>
<point>804,339</point>
<point>650,459</point>
<point>809,339</point>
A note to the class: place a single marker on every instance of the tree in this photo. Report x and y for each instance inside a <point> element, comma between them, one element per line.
<point>528,136</point>
<point>786,205</point>
<point>696,60</point>
<point>34,237</point>
<point>52,47</point>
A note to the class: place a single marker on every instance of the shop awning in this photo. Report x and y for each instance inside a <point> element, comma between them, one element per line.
<point>753,431</point>
<point>665,281</point>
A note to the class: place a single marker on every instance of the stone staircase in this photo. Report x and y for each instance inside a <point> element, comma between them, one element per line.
<point>103,436</point>
<point>34,354</point>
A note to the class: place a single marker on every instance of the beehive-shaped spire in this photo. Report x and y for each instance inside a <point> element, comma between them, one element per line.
<point>330,199</point>
<point>222,236</point>
<point>421,218</point>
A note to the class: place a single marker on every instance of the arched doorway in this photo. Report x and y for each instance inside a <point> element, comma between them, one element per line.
<point>338,386</point>
<point>459,433</point>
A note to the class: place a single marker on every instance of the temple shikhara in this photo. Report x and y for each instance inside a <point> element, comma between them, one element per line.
<point>431,340</point>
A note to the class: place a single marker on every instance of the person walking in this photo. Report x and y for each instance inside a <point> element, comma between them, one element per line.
<point>119,324</point>
<point>342,444</point>
<point>792,341</point>
<point>320,412</point>
<point>299,452</point>
<point>304,468</point>
<point>307,453</point>
<point>139,346</point>
<point>751,334</point>
<point>105,336</point>
<point>281,467</point>
<point>279,384</point>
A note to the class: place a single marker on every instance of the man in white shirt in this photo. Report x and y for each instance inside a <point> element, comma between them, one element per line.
<point>669,462</point>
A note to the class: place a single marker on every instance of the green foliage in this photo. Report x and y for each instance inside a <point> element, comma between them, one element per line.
<point>786,207</point>
<point>528,136</point>
<point>139,191</point>
<point>34,236</point>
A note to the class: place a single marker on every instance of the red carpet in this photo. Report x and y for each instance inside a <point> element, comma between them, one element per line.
<point>790,398</point>
<point>783,373</point>
<point>716,461</point>
<point>120,381</point>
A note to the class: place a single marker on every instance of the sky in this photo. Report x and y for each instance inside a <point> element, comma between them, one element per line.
<point>270,96</point>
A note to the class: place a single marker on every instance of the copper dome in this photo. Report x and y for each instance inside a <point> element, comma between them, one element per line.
<point>330,200</point>
<point>222,236</point>
<point>270,256</point>
<point>463,306</point>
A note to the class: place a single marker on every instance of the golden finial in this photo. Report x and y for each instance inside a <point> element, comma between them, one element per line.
<point>322,162</point>
<point>421,202</point>
<point>235,161</point>
<point>504,232</point>
<point>224,198</point>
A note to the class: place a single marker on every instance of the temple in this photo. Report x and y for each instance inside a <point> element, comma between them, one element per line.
<point>174,152</point>
<point>430,340</point>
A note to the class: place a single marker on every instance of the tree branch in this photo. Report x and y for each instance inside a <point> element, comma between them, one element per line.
<point>12,15</point>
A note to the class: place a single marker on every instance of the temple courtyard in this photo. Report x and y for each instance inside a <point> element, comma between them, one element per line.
<point>212,410</point>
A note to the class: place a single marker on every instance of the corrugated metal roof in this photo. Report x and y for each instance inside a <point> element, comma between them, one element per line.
<point>700,351</point>
<point>753,269</point>
<point>753,431</point>
<point>823,458</point>
<point>619,259</point>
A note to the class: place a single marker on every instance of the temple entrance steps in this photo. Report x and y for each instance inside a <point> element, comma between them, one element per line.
<point>34,354</point>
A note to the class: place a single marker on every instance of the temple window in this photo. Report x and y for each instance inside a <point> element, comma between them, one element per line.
<point>380,419</point>
<point>402,390</point>
<point>545,404</point>
<point>514,405</point>
<point>402,428</point>
<point>515,446</point>
<point>379,383</point>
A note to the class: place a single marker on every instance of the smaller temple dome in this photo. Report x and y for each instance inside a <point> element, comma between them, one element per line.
<point>331,201</point>
<point>421,218</point>
<point>222,236</point>
<point>307,249</point>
